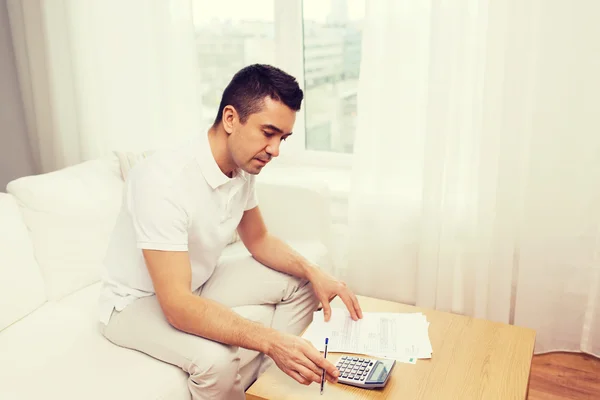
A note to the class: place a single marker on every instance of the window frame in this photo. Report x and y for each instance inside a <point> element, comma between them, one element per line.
<point>289,55</point>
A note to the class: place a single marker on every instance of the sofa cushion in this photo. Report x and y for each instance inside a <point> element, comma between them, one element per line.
<point>128,159</point>
<point>21,284</point>
<point>70,214</point>
<point>58,352</point>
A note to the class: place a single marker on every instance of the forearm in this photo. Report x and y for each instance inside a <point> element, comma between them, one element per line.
<point>278,255</point>
<point>209,319</point>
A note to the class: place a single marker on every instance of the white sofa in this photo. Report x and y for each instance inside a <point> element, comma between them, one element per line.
<point>54,229</point>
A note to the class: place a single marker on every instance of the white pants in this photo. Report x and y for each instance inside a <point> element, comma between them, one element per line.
<point>213,367</point>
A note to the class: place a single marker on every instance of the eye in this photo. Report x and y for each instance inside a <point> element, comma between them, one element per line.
<point>284,138</point>
<point>268,135</point>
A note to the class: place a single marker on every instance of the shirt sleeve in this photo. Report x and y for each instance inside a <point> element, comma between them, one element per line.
<point>252,198</point>
<point>159,217</point>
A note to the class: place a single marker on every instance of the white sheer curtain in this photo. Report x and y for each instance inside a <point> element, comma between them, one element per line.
<point>107,75</point>
<point>476,184</point>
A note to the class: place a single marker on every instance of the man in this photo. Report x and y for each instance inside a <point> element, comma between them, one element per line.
<point>163,293</point>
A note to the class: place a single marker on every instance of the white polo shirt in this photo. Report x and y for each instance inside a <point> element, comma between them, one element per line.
<point>176,200</point>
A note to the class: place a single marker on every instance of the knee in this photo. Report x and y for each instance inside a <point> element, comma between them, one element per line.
<point>313,301</point>
<point>217,370</point>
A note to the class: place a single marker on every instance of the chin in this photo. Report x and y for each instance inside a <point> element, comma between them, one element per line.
<point>252,169</point>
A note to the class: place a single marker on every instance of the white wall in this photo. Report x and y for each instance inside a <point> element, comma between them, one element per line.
<point>15,155</point>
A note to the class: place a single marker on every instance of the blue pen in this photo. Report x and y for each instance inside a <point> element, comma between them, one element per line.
<point>323,375</point>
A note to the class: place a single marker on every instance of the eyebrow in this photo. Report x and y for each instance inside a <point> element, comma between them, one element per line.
<point>274,128</point>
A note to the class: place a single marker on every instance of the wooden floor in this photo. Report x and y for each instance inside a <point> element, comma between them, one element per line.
<point>561,376</point>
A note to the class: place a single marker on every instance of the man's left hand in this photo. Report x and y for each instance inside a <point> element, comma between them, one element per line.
<point>326,287</point>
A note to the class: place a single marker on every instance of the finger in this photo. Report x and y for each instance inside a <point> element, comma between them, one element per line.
<point>326,310</point>
<point>357,307</point>
<point>299,378</point>
<point>349,305</point>
<point>315,356</point>
<point>309,374</point>
<point>309,364</point>
<point>330,378</point>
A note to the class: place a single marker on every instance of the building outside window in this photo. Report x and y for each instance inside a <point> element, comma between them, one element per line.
<point>330,37</point>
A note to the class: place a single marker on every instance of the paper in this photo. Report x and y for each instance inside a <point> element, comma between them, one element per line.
<point>401,336</point>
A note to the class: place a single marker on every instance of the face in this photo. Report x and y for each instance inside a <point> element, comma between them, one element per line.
<point>253,144</point>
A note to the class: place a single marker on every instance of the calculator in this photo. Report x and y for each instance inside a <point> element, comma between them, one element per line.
<point>365,373</point>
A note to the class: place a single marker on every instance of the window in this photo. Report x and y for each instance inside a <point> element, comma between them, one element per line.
<point>318,41</point>
<point>230,34</point>
<point>332,48</point>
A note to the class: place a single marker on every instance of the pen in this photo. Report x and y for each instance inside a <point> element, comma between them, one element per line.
<point>323,374</point>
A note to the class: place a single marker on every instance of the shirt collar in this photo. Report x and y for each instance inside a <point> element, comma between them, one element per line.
<point>210,169</point>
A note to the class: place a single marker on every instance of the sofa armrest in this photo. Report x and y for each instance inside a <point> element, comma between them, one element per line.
<point>296,212</point>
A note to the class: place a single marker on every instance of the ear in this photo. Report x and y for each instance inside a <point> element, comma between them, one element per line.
<point>230,119</point>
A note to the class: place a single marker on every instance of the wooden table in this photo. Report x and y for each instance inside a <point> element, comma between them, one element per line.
<point>472,359</point>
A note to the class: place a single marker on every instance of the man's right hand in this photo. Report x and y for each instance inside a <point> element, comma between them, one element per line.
<point>298,358</point>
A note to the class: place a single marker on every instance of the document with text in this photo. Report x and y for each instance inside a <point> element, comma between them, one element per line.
<point>400,336</point>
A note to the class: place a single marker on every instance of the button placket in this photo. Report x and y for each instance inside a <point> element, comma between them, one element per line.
<point>230,194</point>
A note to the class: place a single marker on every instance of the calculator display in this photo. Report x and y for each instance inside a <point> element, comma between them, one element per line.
<point>379,373</point>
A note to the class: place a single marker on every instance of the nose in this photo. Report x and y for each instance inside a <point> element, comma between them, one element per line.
<point>273,148</point>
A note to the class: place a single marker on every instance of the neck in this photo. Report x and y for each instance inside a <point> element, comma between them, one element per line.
<point>217,138</point>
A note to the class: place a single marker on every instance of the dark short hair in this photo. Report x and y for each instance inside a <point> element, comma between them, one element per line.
<point>250,85</point>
